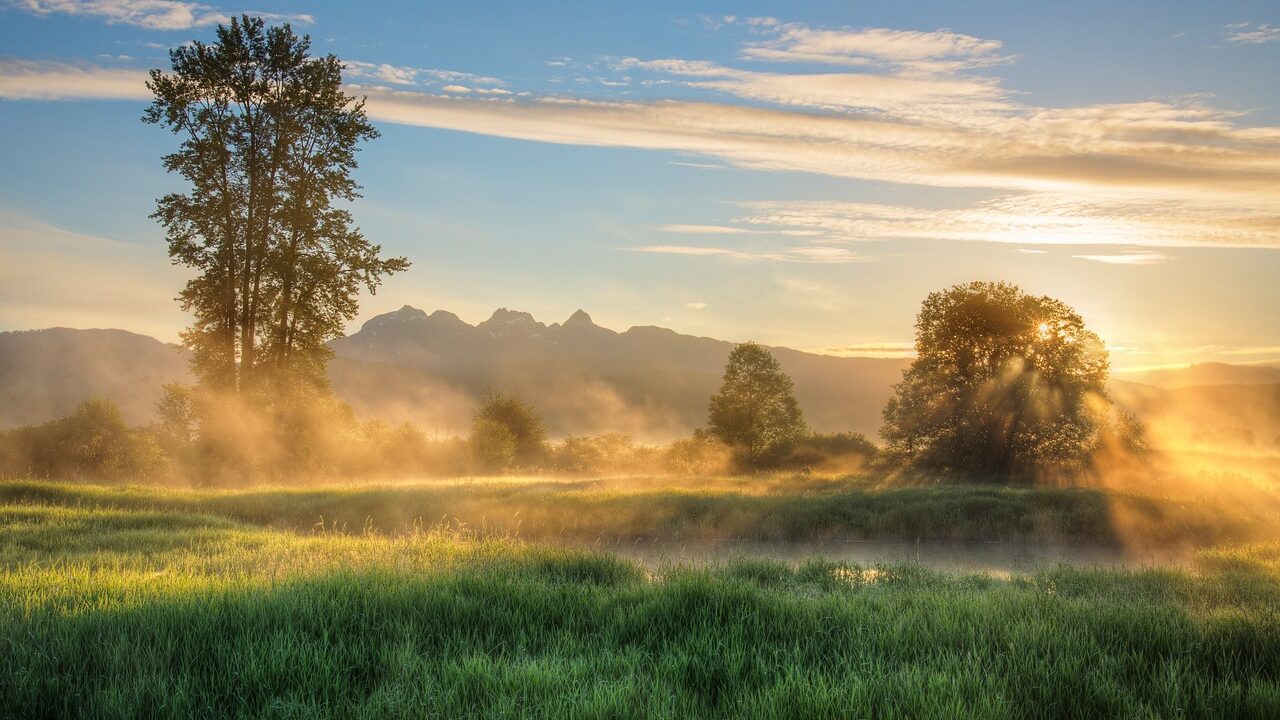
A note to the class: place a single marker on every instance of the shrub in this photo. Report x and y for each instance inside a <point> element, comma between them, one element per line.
<point>608,453</point>
<point>493,446</point>
<point>520,420</point>
<point>701,454</point>
<point>92,442</point>
<point>832,452</point>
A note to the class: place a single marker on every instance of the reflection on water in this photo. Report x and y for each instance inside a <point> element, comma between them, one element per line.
<point>993,558</point>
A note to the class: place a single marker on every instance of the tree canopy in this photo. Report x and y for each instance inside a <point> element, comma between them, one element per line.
<point>1004,384</point>
<point>504,418</point>
<point>755,410</point>
<point>268,145</point>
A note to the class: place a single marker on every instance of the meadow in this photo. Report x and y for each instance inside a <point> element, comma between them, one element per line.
<point>771,507</point>
<point>147,602</point>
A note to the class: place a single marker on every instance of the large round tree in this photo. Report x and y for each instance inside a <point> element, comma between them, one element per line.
<point>1005,385</point>
<point>756,410</point>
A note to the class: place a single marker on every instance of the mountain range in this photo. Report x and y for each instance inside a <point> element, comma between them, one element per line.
<point>650,382</point>
<point>431,369</point>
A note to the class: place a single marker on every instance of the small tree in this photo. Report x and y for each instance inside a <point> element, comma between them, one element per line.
<point>520,421</point>
<point>756,410</point>
<point>493,446</point>
<point>1004,384</point>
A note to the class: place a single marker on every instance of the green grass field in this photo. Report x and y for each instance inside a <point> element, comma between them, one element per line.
<point>782,508</point>
<point>139,603</point>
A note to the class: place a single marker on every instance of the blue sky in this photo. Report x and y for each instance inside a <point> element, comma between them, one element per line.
<point>798,174</point>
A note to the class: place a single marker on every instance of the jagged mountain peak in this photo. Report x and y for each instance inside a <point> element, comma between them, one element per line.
<point>406,314</point>
<point>408,311</point>
<point>512,323</point>
<point>579,318</point>
<point>503,316</point>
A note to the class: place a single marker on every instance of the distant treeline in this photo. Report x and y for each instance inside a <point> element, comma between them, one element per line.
<point>207,442</point>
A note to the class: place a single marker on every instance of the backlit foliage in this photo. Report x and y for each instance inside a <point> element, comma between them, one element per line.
<point>1005,384</point>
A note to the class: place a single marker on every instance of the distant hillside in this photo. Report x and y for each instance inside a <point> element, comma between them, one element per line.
<point>1210,373</point>
<point>647,381</point>
<point>431,369</point>
<point>1243,415</point>
<point>45,373</point>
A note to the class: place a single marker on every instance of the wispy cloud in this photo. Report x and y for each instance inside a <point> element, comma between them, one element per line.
<point>696,165</point>
<point>1034,218</point>
<point>1251,350</point>
<point>696,305</point>
<point>1129,258</point>
<point>359,71</point>
<point>382,72</point>
<point>37,80</point>
<point>1155,173</point>
<point>1250,34</point>
<point>932,51</point>
<point>900,350</point>
<point>802,254</point>
<point>1151,149</point>
<point>1181,357</point>
<point>704,229</point>
<point>50,80</point>
<point>149,14</point>
<point>913,94</point>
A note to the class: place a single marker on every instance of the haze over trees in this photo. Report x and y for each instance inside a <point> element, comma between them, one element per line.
<point>1005,384</point>
<point>92,442</point>
<point>755,410</point>
<point>268,146</point>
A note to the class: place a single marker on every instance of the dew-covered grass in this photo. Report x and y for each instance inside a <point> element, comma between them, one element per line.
<point>174,607</point>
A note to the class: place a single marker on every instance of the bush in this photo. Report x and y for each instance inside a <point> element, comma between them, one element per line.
<point>613,453</point>
<point>493,446</point>
<point>92,442</point>
<point>405,450</point>
<point>832,452</point>
<point>701,454</point>
<point>520,420</point>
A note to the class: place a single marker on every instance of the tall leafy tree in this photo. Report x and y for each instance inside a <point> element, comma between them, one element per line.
<point>755,410</point>
<point>268,146</point>
<point>1005,384</point>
